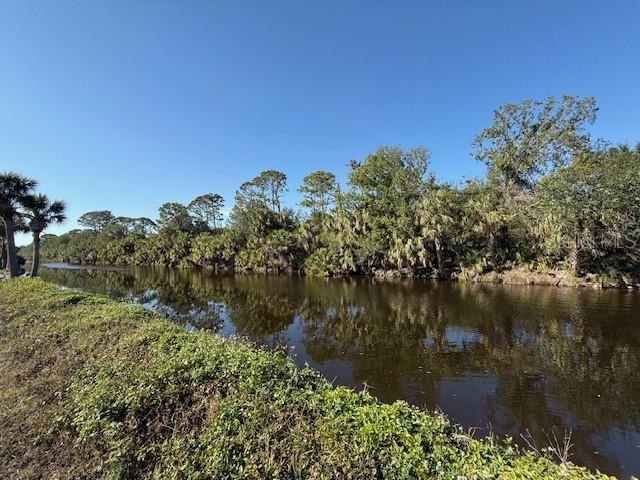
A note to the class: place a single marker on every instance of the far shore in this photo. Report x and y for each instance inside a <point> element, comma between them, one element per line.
<point>514,276</point>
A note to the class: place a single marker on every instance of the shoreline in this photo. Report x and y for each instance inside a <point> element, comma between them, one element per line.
<point>514,276</point>
<point>553,278</point>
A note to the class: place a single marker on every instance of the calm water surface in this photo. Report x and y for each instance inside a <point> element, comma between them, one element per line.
<point>501,359</point>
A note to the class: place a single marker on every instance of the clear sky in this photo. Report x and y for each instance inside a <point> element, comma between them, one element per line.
<point>123,105</point>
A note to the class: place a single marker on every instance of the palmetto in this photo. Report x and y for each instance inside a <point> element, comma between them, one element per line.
<point>40,213</point>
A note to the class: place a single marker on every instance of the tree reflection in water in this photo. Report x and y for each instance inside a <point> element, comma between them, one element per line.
<point>507,358</point>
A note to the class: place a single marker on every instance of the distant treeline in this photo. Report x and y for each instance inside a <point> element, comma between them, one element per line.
<point>552,198</point>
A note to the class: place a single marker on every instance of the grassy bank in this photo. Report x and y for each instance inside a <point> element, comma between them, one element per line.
<point>91,388</point>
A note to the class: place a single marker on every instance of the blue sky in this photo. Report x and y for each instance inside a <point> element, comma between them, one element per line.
<point>124,105</point>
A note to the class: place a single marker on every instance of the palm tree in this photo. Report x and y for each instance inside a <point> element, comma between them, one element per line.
<point>40,213</point>
<point>14,190</point>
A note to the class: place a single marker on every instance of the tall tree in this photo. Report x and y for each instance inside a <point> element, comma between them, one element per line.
<point>40,213</point>
<point>14,190</point>
<point>319,189</point>
<point>143,226</point>
<point>127,224</point>
<point>207,209</point>
<point>390,178</point>
<point>249,193</point>
<point>258,210</point>
<point>527,139</point>
<point>272,184</point>
<point>386,187</point>
<point>174,217</point>
<point>96,220</point>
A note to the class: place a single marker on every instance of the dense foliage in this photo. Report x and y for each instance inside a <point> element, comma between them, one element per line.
<point>552,199</point>
<point>98,389</point>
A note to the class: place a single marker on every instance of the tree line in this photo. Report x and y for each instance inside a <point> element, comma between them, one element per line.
<point>552,198</point>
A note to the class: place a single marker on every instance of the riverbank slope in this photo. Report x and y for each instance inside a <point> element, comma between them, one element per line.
<point>94,388</point>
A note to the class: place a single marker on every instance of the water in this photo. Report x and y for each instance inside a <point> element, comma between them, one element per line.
<point>501,359</point>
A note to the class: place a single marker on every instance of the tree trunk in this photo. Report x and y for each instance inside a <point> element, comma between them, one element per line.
<point>3,253</point>
<point>36,254</point>
<point>12,256</point>
<point>436,242</point>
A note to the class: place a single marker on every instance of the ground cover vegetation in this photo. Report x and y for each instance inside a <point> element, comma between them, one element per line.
<point>93,388</point>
